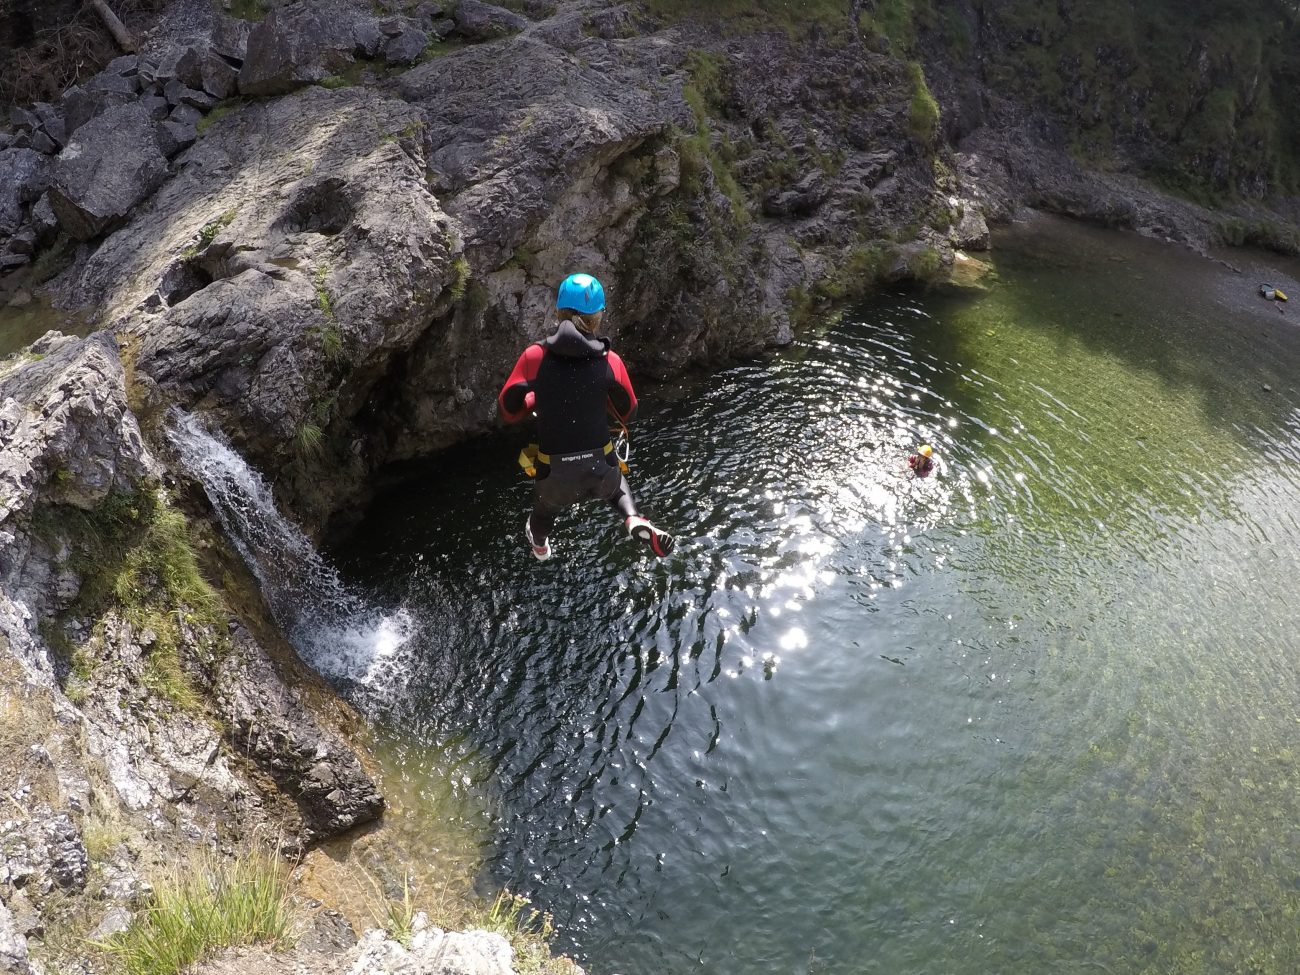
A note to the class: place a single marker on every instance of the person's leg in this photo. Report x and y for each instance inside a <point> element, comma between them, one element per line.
<point>618,493</point>
<point>551,495</point>
<point>621,500</point>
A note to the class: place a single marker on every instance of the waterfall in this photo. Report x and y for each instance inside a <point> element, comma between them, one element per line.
<point>332,627</point>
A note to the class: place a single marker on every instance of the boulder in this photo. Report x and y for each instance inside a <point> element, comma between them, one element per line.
<point>406,47</point>
<point>174,136</point>
<point>301,44</point>
<point>127,66</point>
<point>51,122</point>
<point>115,84</point>
<point>157,106</point>
<point>477,21</point>
<point>79,105</point>
<point>67,413</point>
<point>218,77</point>
<point>42,143</point>
<point>111,164</point>
<point>24,176</point>
<point>44,222</point>
<point>21,118</point>
<point>185,115</point>
<point>972,230</point>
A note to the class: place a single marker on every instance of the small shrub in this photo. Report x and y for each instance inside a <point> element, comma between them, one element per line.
<point>926,266</point>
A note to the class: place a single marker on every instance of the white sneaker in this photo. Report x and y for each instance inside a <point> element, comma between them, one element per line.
<point>660,542</point>
<point>543,551</point>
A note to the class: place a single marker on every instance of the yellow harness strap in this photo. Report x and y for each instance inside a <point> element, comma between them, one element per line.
<point>532,455</point>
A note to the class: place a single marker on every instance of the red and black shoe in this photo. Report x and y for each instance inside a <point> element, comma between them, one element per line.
<point>660,542</point>
<point>541,552</point>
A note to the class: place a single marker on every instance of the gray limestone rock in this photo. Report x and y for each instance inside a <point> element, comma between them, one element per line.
<point>185,115</point>
<point>115,921</point>
<point>218,77</point>
<point>107,82</point>
<point>24,176</point>
<point>125,66</point>
<point>79,105</point>
<point>330,934</point>
<point>67,414</point>
<point>43,853</point>
<point>157,106</point>
<point>24,241</point>
<point>111,164</point>
<point>432,951</point>
<point>21,118</point>
<point>442,28</point>
<point>406,47</point>
<point>972,230</point>
<point>476,21</point>
<point>14,959</point>
<point>43,143</point>
<point>51,122</point>
<point>268,724</point>
<point>44,222</point>
<point>302,43</point>
<point>175,136</point>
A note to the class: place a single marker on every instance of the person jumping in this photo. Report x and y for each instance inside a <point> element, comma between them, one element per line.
<point>571,380</point>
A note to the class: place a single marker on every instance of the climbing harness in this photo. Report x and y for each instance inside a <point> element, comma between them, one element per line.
<point>532,455</point>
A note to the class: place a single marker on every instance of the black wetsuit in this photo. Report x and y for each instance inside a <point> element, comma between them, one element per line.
<point>572,380</point>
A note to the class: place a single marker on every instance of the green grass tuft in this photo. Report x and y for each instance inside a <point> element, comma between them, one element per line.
<point>224,903</point>
<point>309,438</point>
<point>461,277</point>
<point>208,233</point>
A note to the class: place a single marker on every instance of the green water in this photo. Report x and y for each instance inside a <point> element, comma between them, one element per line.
<point>23,324</point>
<point>1037,713</point>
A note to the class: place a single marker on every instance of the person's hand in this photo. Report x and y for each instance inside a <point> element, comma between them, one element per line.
<point>530,400</point>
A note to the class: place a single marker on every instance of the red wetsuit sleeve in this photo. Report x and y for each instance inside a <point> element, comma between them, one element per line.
<point>621,395</point>
<point>513,398</point>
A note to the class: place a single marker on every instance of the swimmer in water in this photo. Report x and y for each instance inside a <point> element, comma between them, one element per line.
<point>922,462</point>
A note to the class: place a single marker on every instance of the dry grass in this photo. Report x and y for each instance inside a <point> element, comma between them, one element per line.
<point>26,720</point>
<point>57,59</point>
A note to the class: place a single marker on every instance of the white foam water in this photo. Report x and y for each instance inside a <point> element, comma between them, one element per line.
<point>332,627</point>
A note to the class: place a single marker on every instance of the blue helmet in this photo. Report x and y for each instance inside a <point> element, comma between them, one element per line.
<point>581,293</point>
